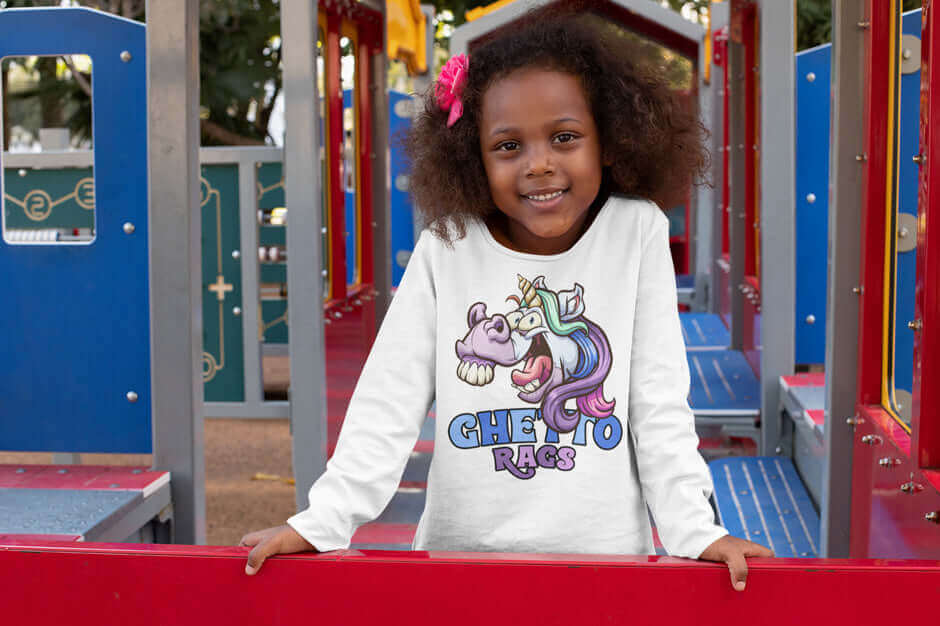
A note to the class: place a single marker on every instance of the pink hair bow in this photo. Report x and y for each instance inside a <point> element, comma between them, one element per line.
<point>450,86</point>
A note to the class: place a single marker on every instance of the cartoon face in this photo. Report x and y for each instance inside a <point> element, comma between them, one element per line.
<point>562,354</point>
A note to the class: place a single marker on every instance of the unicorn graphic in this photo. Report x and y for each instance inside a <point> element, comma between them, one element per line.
<point>563,354</point>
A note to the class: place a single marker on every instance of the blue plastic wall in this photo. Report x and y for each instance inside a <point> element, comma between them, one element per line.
<point>75,323</point>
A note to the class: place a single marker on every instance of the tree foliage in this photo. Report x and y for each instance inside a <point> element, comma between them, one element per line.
<point>239,73</point>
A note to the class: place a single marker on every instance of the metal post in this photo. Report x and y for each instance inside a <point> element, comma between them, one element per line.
<point>709,198</point>
<point>842,305</point>
<point>737,163</point>
<point>381,203</point>
<point>777,210</point>
<point>304,279</point>
<point>175,257</point>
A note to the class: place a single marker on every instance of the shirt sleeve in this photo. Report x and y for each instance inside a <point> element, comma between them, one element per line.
<point>676,482</point>
<point>388,406</point>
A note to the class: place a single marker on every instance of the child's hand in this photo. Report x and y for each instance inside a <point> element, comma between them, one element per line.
<point>271,541</point>
<point>733,551</point>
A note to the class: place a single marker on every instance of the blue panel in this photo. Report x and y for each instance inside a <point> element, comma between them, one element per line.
<point>722,383</point>
<point>685,281</point>
<point>812,218</point>
<point>76,333</point>
<point>349,195</point>
<point>763,500</point>
<point>907,203</point>
<point>403,240</point>
<point>704,331</point>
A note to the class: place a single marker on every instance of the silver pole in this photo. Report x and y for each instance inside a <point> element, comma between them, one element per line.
<point>175,257</point>
<point>842,304</point>
<point>777,210</point>
<point>307,391</point>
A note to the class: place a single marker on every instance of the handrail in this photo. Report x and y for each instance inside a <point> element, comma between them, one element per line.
<point>48,583</point>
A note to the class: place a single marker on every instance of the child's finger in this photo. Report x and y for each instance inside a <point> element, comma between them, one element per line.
<point>259,553</point>
<point>251,539</point>
<point>737,566</point>
<point>755,549</point>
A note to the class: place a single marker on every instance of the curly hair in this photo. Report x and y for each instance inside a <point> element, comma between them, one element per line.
<point>650,136</point>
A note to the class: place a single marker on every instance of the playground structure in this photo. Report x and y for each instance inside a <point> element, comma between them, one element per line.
<point>850,448</point>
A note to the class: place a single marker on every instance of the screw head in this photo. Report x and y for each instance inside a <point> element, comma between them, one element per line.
<point>236,254</point>
<point>324,273</point>
<point>131,396</point>
<point>129,228</point>
<point>125,56</point>
<point>810,319</point>
<point>811,198</point>
<point>236,311</point>
<point>22,173</point>
<point>811,77</point>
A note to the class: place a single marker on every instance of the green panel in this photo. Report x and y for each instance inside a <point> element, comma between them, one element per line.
<point>270,186</point>
<point>274,320</point>
<point>37,199</point>
<point>273,272</point>
<point>269,235</point>
<point>223,356</point>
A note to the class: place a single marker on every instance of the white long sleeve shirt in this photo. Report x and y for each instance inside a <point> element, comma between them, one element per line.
<point>561,385</point>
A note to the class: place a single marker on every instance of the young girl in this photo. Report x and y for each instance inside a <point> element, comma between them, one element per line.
<point>539,311</point>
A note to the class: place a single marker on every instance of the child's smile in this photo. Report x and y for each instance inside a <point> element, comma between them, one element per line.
<point>542,156</point>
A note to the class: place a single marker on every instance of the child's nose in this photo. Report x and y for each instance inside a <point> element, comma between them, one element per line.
<point>540,162</point>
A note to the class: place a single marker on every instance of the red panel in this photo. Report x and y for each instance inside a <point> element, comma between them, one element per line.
<point>334,100</point>
<point>77,477</point>
<point>751,83</point>
<point>811,379</point>
<point>196,585</point>
<point>364,136</point>
<point>817,415</point>
<point>890,496</point>
<point>874,173</point>
<point>926,391</point>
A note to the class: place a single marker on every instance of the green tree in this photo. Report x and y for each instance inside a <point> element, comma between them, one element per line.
<point>239,72</point>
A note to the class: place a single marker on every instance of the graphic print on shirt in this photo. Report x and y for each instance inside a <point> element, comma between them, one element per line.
<point>563,355</point>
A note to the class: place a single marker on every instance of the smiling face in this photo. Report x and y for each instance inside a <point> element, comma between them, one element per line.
<point>542,156</point>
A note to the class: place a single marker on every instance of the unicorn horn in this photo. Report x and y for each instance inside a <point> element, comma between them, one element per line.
<point>528,292</point>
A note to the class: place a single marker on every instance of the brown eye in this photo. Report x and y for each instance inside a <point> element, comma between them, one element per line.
<point>564,137</point>
<point>508,146</point>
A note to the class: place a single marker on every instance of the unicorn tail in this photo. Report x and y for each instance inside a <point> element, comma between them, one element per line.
<point>594,404</point>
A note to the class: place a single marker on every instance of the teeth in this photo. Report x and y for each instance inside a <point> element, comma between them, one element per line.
<point>546,196</point>
<point>530,387</point>
<point>475,373</point>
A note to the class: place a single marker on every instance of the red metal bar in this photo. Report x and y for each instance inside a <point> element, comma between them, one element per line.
<point>926,392</point>
<point>334,155</point>
<point>120,584</point>
<point>751,81</point>
<point>874,178</point>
